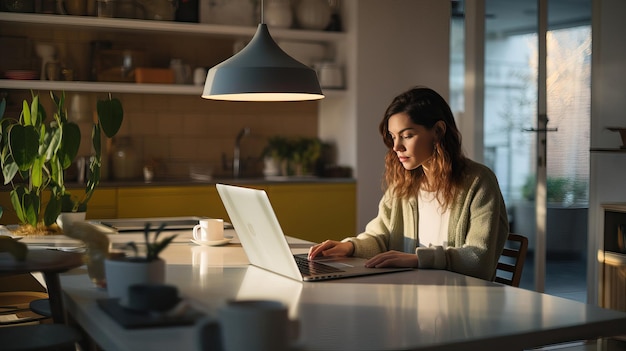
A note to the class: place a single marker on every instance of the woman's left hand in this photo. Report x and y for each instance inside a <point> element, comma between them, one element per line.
<point>392,259</point>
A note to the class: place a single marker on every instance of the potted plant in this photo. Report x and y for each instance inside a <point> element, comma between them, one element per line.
<point>276,156</point>
<point>110,117</point>
<point>34,155</point>
<point>304,154</point>
<point>122,272</point>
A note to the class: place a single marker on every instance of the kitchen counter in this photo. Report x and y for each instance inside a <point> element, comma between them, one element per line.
<point>192,182</point>
<point>312,208</point>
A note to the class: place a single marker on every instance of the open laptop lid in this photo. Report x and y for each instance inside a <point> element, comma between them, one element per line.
<point>258,229</point>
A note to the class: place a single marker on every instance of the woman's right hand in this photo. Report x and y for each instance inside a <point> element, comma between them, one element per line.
<point>331,248</point>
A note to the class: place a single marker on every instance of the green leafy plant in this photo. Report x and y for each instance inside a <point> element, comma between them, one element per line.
<point>110,117</point>
<point>153,246</point>
<point>559,189</point>
<point>277,147</point>
<point>35,153</point>
<point>305,152</point>
<point>301,152</point>
<point>33,157</point>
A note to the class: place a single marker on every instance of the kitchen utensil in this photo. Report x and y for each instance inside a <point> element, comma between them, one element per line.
<point>46,53</point>
<point>199,76</point>
<point>182,71</point>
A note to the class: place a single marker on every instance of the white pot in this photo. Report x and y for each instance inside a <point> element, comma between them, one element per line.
<point>122,273</point>
<point>66,219</point>
<point>271,167</point>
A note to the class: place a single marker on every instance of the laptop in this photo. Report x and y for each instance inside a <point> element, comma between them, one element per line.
<point>265,244</point>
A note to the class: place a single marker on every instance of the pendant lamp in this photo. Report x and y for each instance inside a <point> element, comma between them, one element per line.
<point>262,71</point>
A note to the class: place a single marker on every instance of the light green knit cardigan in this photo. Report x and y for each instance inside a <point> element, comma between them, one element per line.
<point>477,230</point>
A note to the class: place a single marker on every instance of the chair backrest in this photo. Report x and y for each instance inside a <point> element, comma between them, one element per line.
<point>511,263</point>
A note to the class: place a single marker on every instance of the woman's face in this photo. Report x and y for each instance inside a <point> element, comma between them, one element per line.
<point>413,143</point>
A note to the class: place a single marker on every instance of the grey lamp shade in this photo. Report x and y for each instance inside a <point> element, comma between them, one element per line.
<point>262,71</point>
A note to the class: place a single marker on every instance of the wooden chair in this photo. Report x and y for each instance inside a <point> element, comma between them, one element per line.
<point>511,263</point>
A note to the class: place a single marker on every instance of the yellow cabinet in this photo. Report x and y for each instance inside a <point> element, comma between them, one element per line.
<point>168,201</point>
<point>311,211</point>
<point>103,204</point>
<point>315,212</point>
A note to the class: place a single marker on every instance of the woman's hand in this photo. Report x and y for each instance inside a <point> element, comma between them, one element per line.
<point>331,248</point>
<point>392,259</point>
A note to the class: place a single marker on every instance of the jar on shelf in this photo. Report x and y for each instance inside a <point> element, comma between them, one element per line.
<point>277,13</point>
<point>124,159</point>
<point>313,14</point>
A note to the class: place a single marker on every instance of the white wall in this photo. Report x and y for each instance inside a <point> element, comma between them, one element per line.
<point>608,106</point>
<point>398,44</point>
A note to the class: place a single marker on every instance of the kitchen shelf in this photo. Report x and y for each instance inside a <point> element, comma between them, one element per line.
<point>96,87</point>
<point>125,25</point>
<point>148,26</point>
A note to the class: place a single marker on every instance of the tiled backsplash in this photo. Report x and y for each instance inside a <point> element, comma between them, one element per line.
<point>179,131</point>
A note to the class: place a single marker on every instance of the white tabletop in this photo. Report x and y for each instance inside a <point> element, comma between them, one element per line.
<point>416,310</point>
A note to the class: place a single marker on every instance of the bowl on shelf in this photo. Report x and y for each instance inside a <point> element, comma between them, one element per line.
<point>21,74</point>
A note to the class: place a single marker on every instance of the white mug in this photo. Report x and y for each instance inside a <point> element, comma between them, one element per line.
<point>209,229</point>
<point>254,325</point>
<point>199,76</point>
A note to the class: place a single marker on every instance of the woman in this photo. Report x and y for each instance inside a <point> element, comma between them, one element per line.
<point>440,209</point>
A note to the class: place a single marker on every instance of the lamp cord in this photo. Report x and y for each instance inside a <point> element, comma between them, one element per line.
<point>262,19</point>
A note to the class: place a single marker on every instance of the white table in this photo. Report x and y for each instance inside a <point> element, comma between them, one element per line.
<point>417,310</point>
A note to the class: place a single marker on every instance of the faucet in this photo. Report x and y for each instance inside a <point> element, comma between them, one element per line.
<point>236,154</point>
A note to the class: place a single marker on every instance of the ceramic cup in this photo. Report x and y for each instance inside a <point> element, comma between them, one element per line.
<point>199,76</point>
<point>254,325</point>
<point>209,229</point>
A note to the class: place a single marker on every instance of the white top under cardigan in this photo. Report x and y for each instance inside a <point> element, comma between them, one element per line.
<point>433,224</point>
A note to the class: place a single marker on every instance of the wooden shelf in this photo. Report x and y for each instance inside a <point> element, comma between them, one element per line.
<point>125,25</point>
<point>97,87</point>
<point>148,26</point>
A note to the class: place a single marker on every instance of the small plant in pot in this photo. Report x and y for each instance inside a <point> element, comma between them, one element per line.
<point>122,272</point>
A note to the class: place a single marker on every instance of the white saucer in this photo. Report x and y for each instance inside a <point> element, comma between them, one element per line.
<point>224,241</point>
<point>15,237</point>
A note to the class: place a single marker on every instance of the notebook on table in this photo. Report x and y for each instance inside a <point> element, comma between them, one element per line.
<point>266,246</point>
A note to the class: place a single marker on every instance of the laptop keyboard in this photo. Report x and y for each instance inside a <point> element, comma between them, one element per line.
<point>311,267</point>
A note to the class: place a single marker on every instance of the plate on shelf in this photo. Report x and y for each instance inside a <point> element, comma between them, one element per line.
<point>21,74</point>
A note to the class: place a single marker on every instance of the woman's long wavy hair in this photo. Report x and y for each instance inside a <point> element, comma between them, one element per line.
<point>425,107</point>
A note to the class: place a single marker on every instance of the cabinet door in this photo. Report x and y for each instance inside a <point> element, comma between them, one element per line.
<point>169,201</point>
<point>103,204</point>
<point>315,212</point>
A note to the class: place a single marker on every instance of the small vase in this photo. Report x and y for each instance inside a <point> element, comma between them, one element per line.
<point>122,273</point>
<point>278,13</point>
<point>313,14</point>
<point>124,160</point>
